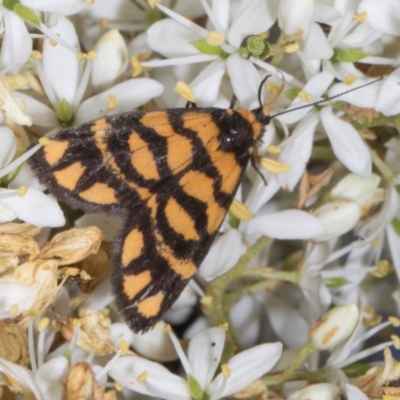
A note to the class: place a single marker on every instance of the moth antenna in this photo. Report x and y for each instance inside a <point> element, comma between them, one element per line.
<point>325,100</point>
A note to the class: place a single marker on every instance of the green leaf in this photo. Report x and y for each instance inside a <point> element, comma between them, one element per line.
<point>348,55</point>
<point>206,48</point>
<point>396,225</point>
<point>291,94</point>
<point>356,370</point>
<point>65,114</point>
<point>195,389</point>
<point>335,282</point>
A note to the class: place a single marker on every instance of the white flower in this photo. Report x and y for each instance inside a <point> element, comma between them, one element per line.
<point>65,82</point>
<point>185,43</point>
<point>204,354</point>
<point>24,197</point>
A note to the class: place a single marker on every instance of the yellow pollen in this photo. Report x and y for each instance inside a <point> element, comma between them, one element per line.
<point>382,269</point>
<point>22,190</point>
<point>13,311</point>
<point>70,271</point>
<point>291,48</point>
<point>394,321</point>
<point>273,166</point>
<point>240,210</point>
<point>350,79</point>
<point>226,371</point>
<point>124,347</point>
<point>43,324</point>
<point>206,300</point>
<point>118,386</point>
<point>136,66</point>
<point>396,341</point>
<point>1,103</point>
<point>36,54</point>
<point>274,149</point>
<point>103,23</point>
<point>224,326</point>
<point>52,43</point>
<point>305,96</point>
<point>185,91</point>
<point>80,55</point>
<point>91,55</point>
<point>167,327</point>
<point>89,2</point>
<point>361,17</point>
<point>44,141</point>
<point>112,102</point>
<point>85,276</point>
<point>142,377</point>
<point>215,38</point>
<point>272,88</point>
<point>153,3</point>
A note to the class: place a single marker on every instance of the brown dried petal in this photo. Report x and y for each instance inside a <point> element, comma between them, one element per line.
<point>73,245</point>
<point>81,383</point>
<point>14,343</point>
<point>13,245</point>
<point>92,334</point>
<point>19,229</point>
<point>97,266</point>
<point>8,262</point>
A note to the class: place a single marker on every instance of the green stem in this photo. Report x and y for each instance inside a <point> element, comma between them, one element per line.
<point>383,168</point>
<point>218,309</point>
<point>284,376</point>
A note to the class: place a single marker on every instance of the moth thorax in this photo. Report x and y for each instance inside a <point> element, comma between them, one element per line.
<point>253,119</point>
<point>236,131</point>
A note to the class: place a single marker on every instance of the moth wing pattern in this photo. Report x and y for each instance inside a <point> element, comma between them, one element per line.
<point>173,174</point>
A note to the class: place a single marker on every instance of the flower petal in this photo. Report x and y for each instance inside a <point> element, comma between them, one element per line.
<point>128,95</point>
<point>204,354</point>
<point>159,382</point>
<point>224,254</point>
<point>287,224</point>
<point>347,144</point>
<point>36,208</point>
<point>8,145</point>
<point>246,367</point>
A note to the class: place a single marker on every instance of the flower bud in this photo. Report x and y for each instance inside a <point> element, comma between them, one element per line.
<point>356,188</point>
<point>319,391</point>
<point>338,217</point>
<point>334,327</point>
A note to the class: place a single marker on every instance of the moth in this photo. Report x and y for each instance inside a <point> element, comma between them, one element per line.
<point>172,174</point>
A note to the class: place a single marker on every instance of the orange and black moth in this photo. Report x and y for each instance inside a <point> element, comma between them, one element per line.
<point>172,174</point>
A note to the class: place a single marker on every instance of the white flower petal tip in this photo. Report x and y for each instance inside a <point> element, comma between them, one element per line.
<point>288,224</point>
<point>111,60</point>
<point>224,254</point>
<point>338,217</point>
<point>354,187</point>
<point>294,17</point>
<point>36,208</point>
<point>334,327</point>
<point>319,391</point>
<point>155,344</point>
<point>246,367</point>
<point>347,144</point>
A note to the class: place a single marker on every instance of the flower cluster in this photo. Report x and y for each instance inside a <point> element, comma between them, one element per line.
<point>307,260</point>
